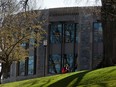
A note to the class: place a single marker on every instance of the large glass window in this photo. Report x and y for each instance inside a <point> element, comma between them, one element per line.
<point>55,32</point>
<point>54,64</point>
<point>22,67</point>
<point>69,32</point>
<point>66,29</point>
<point>31,65</point>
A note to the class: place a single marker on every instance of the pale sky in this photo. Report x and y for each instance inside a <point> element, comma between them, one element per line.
<point>66,3</point>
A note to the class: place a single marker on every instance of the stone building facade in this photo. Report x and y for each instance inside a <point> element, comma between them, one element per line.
<point>74,37</point>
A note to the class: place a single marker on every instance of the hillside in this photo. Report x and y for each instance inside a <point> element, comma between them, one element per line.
<point>105,77</point>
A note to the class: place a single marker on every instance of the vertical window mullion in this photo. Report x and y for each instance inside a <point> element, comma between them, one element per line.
<point>74,46</point>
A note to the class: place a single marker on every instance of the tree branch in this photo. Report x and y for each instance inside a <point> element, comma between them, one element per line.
<point>13,46</point>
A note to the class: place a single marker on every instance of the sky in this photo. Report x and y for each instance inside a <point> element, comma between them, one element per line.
<point>66,3</point>
<point>45,4</point>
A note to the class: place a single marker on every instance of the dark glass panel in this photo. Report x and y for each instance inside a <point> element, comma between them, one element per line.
<point>22,67</point>
<point>69,32</point>
<point>77,37</point>
<point>97,42</point>
<point>54,64</point>
<point>98,32</point>
<point>55,33</point>
<point>31,65</point>
<point>69,59</point>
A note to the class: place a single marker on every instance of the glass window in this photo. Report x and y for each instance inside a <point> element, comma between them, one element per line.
<point>97,41</point>
<point>54,64</point>
<point>55,33</point>
<point>31,65</point>
<point>77,33</point>
<point>31,42</point>
<point>22,67</point>
<point>68,59</point>
<point>69,32</point>
<point>23,44</point>
<point>98,32</point>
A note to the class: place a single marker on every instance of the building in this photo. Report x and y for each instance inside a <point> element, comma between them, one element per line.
<point>74,37</point>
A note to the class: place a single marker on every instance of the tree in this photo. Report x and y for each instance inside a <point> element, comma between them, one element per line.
<point>109,32</point>
<point>16,30</point>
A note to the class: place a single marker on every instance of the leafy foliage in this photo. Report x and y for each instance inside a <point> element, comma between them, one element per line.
<point>16,31</point>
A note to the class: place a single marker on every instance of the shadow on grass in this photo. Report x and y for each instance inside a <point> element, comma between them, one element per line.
<point>94,85</point>
<point>66,81</point>
<point>102,85</point>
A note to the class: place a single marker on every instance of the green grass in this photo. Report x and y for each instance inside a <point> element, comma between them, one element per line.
<point>105,77</point>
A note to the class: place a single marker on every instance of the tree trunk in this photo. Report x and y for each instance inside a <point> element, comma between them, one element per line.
<point>1,73</point>
<point>109,33</point>
<point>0,77</point>
<point>5,70</point>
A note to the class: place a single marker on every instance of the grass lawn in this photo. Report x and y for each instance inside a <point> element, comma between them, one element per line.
<point>105,77</point>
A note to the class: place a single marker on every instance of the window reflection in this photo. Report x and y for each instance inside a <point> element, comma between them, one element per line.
<point>22,67</point>
<point>55,33</point>
<point>31,42</point>
<point>77,33</point>
<point>54,64</point>
<point>98,32</point>
<point>31,65</point>
<point>69,32</point>
<point>98,40</point>
<point>66,30</point>
<point>68,59</point>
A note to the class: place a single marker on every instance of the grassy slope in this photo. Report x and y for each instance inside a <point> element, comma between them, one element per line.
<point>105,77</point>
